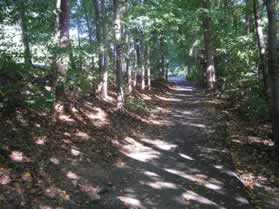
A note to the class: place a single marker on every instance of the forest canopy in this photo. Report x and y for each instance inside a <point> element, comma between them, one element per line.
<point>158,37</point>
<point>49,48</point>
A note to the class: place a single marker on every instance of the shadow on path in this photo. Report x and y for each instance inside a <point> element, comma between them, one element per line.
<point>181,161</point>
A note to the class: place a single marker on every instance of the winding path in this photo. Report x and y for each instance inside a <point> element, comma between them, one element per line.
<point>181,161</point>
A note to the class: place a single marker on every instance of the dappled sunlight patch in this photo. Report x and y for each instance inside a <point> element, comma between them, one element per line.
<point>138,151</point>
<point>179,116</point>
<point>89,105</point>
<point>184,175</point>
<point>187,157</point>
<point>252,140</point>
<point>151,174</point>
<point>40,140</point>
<point>160,144</point>
<point>82,135</point>
<point>242,200</point>
<point>168,99</point>
<point>230,173</point>
<point>215,102</point>
<point>131,141</point>
<point>75,151</point>
<point>37,125</point>
<point>54,192</point>
<point>47,88</point>
<point>197,125</point>
<point>120,164</point>
<point>131,201</point>
<point>143,155</point>
<point>67,134</point>
<point>219,167</point>
<point>115,142</point>
<point>145,97</point>
<point>97,116</point>
<point>215,181</point>
<point>72,175</point>
<point>74,110</point>
<point>186,112</point>
<point>54,160</point>
<point>161,185</point>
<point>90,190</point>
<point>109,99</point>
<point>66,118</point>
<point>157,118</point>
<point>18,156</point>
<point>160,110</point>
<point>155,122</point>
<point>182,88</point>
<point>200,179</point>
<point>67,141</point>
<point>192,196</point>
<point>130,190</point>
<point>208,150</point>
<point>160,122</point>
<point>4,179</point>
<point>212,186</point>
<point>178,94</point>
<point>194,170</point>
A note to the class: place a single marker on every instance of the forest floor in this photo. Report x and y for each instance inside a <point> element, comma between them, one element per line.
<point>171,150</point>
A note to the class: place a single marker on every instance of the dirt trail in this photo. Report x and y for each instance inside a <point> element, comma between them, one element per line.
<point>181,159</point>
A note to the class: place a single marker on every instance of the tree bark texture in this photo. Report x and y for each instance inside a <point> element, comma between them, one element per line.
<point>118,55</point>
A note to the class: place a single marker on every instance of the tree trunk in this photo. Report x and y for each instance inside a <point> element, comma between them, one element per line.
<point>142,76</point>
<point>127,49</point>
<point>118,51</point>
<point>167,74</point>
<point>125,36</point>
<point>25,34</point>
<point>129,76</point>
<point>64,24</point>
<point>135,64</point>
<point>104,73</point>
<point>148,68</point>
<point>128,66</point>
<point>138,48</point>
<point>128,63</point>
<point>209,49</point>
<point>62,41</point>
<point>271,6</point>
<point>142,63</point>
<point>98,34</point>
<point>79,42</point>
<point>263,70</point>
<point>162,58</point>
<point>90,32</point>
<point>157,64</point>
